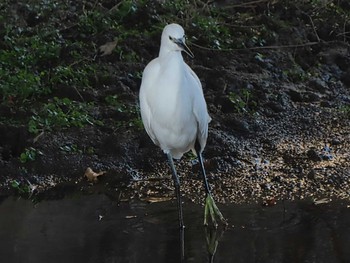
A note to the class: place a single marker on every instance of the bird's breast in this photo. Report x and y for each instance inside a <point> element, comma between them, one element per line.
<point>173,121</point>
<point>171,95</point>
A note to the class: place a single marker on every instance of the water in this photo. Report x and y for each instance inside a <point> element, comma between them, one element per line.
<point>95,229</point>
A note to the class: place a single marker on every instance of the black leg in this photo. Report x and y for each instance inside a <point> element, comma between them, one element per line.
<point>210,208</point>
<point>205,180</point>
<point>177,190</point>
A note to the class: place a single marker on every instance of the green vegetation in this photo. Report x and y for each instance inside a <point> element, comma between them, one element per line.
<point>21,188</point>
<point>345,109</point>
<point>61,113</point>
<point>296,73</point>
<point>112,100</point>
<point>242,101</point>
<point>131,112</point>
<point>29,154</point>
<point>74,148</point>
<point>20,70</point>
<point>133,118</point>
<point>45,48</point>
<point>56,80</point>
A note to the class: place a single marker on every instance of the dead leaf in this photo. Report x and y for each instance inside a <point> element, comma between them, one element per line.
<point>321,201</point>
<point>91,175</point>
<point>152,199</point>
<point>108,48</point>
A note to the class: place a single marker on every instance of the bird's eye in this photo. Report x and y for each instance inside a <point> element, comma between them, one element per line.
<point>171,38</point>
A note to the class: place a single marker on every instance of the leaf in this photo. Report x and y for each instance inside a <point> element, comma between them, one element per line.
<point>321,201</point>
<point>91,175</point>
<point>108,48</point>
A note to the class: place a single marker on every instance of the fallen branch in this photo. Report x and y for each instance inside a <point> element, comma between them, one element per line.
<point>247,4</point>
<point>258,48</point>
<point>152,179</point>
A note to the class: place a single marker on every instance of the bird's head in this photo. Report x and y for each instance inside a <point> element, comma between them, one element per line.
<point>173,39</point>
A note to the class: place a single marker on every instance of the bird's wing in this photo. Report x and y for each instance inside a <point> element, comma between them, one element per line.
<point>199,108</point>
<point>149,75</point>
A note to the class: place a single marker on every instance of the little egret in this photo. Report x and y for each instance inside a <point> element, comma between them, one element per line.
<point>174,112</point>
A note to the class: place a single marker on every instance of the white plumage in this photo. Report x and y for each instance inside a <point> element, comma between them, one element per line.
<point>173,108</point>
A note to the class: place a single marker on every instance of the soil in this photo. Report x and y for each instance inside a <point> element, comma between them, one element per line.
<point>280,127</point>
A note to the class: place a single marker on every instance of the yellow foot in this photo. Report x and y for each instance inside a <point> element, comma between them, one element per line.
<point>213,236</point>
<point>212,210</point>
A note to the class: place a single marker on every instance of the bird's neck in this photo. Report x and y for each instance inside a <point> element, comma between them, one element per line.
<point>165,52</point>
<point>172,65</point>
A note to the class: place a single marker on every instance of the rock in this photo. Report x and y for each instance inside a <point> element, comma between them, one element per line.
<point>277,179</point>
<point>266,186</point>
<point>345,78</point>
<point>276,107</point>
<point>326,153</point>
<point>313,155</point>
<point>269,144</point>
<point>326,104</point>
<point>295,95</point>
<point>311,174</point>
<point>240,126</point>
<point>342,60</point>
<point>225,104</point>
<point>312,97</point>
<point>336,141</point>
<point>318,84</point>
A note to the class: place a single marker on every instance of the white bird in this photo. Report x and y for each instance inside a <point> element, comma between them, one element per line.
<point>174,112</point>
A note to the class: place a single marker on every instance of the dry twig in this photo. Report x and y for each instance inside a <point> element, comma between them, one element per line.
<point>259,48</point>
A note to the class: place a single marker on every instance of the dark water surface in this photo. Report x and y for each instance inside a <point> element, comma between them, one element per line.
<point>95,229</point>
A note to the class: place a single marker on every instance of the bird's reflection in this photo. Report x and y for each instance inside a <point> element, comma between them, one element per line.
<point>182,244</point>
<point>213,236</point>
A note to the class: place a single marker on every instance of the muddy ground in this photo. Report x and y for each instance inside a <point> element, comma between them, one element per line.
<point>280,127</point>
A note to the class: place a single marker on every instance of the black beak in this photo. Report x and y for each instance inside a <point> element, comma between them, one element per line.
<point>184,47</point>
